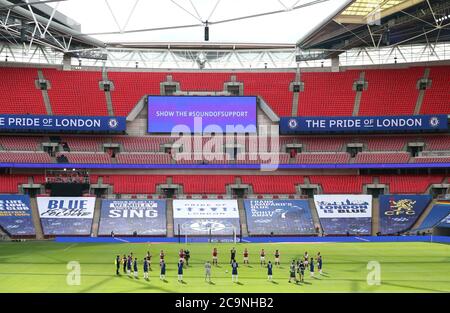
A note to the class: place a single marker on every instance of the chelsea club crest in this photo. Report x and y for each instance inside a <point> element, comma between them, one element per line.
<point>434,121</point>
<point>292,123</point>
<point>113,123</point>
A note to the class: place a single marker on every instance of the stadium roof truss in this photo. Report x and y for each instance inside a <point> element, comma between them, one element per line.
<point>378,24</point>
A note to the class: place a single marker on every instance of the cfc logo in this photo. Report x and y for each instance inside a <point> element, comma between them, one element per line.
<point>112,123</point>
<point>404,206</point>
<point>292,123</point>
<point>434,122</point>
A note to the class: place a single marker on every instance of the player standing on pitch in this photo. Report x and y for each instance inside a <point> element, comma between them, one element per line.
<point>232,255</point>
<point>162,274</point>
<point>246,256</point>
<point>161,256</point>
<point>234,271</point>
<point>180,271</point>
<point>311,267</point>
<point>277,257</point>
<point>135,268</point>
<point>319,263</point>
<point>187,256</point>
<point>292,271</point>
<point>149,259</point>
<point>117,265</point>
<point>146,266</point>
<point>129,264</point>
<point>269,271</point>
<point>262,257</point>
<point>214,256</point>
<point>124,263</point>
<point>208,271</point>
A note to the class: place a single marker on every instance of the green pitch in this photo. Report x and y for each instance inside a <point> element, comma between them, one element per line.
<point>405,267</point>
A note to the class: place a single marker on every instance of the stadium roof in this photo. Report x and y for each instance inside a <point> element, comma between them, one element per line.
<point>381,23</point>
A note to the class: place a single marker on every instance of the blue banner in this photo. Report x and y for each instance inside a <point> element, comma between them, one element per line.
<point>124,217</point>
<point>398,213</point>
<point>45,123</point>
<point>438,213</point>
<point>15,215</point>
<point>298,125</point>
<point>280,217</point>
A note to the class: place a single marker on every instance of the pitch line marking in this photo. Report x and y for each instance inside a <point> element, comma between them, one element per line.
<point>362,239</point>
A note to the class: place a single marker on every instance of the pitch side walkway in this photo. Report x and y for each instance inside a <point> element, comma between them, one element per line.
<point>438,239</point>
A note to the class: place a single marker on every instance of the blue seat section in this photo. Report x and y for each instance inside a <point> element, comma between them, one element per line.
<point>439,211</point>
<point>340,226</point>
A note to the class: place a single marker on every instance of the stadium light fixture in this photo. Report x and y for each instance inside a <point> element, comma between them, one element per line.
<point>206,31</point>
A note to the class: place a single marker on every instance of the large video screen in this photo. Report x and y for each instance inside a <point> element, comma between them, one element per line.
<point>201,114</point>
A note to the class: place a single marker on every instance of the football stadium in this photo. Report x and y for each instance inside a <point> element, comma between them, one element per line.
<point>192,146</point>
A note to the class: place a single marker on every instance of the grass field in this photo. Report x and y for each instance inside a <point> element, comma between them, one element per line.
<point>405,267</point>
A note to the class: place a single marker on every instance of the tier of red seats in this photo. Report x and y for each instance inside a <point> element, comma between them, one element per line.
<point>327,94</point>
<point>382,157</point>
<point>432,159</point>
<point>341,184</point>
<point>10,183</point>
<point>272,87</point>
<point>201,81</point>
<point>273,184</point>
<point>83,143</point>
<point>134,184</point>
<point>390,92</point>
<point>143,158</point>
<point>322,158</point>
<point>437,143</point>
<point>409,183</point>
<point>130,87</point>
<point>24,157</point>
<point>18,93</point>
<point>201,184</point>
<point>20,143</point>
<point>437,98</point>
<point>86,157</point>
<point>76,92</point>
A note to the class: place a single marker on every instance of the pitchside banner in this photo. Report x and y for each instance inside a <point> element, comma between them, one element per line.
<point>280,217</point>
<point>62,123</point>
<point>198,114</point>
<point>15,215</point>
<point>342,206</point>
<point>66,215</point>
<point>124,217</point>
<point>297,125</point>
<point>399,212</point>
<point>202,217</point>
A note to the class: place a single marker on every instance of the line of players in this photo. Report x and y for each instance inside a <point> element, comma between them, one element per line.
<point>130,264</point>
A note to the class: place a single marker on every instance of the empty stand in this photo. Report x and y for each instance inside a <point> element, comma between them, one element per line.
<point>24,157</point>
<point>409,183</point>
<point>437,98</point>
<point>277,184</point>
<point>341,184</point>
<point>327,94</point>
<point>272,87</point>
<point>390,92</point>
<point>201,81</point>
<point>86,157</point>
<point>201,184</point>
<point>134,184</point>
<point>322,158</point>
<point>144,158</point>
<point>129,88</point>
<point>19,143</point>
<point>76,92</point>
<point>18,94</point>
<point>82,143</point>
<point>10,183</point>
<point>382,157</point>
